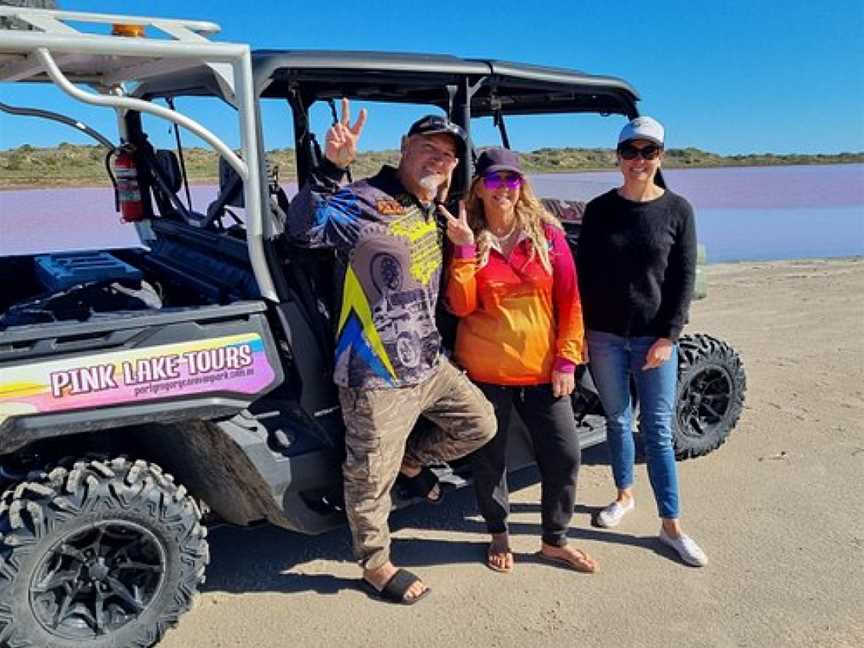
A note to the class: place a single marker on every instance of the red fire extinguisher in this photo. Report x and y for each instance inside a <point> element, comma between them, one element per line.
<point>128,191</point>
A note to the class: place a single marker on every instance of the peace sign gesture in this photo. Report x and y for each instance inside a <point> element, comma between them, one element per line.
<point>340,143</point>
<point>458,230</point>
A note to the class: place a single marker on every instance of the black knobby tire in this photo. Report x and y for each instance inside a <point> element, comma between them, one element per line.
<point>711,386</point>
<point>102,553</point>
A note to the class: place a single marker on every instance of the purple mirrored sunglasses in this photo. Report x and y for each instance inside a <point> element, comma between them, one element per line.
<point>502,178</point>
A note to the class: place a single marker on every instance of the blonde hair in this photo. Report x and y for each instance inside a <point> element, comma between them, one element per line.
<point>531,216</point>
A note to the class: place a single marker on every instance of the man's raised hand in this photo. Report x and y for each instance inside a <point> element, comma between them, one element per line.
<point>340,143</point>
<point>458,230</point>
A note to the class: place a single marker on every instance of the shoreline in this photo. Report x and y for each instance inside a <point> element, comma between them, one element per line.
<point>89,183</point>
<point>668,167</point>
<point>846,259</point>
<point>94,183</point>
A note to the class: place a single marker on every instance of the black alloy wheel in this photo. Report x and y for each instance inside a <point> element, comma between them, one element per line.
<point>94,582</point>
<point>705,401</point>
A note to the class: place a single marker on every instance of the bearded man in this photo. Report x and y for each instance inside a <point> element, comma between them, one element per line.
<point>389,367</point>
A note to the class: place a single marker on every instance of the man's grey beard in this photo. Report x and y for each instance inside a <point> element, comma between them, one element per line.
<point>432,182</point>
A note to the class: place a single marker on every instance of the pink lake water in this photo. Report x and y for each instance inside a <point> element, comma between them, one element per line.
<point>743,213</point>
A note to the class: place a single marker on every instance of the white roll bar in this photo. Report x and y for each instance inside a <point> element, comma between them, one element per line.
<point>130,103</point>
<point>57,52</point>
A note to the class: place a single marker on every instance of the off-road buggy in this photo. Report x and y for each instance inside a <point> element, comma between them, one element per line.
<point>205,352</point>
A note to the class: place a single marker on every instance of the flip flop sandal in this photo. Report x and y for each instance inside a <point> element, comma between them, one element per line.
<point>421,485</point>
<point>395,589</point>
<point>553,560</point>
<point>500,570</point>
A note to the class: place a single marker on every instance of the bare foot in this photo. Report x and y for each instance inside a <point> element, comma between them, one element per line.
<point>378,578</point>
<point>570,557</point>
<point>499,557</point>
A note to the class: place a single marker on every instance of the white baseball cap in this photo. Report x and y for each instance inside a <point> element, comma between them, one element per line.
<point>642,128</point>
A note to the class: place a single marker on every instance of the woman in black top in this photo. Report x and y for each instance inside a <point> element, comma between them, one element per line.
<point>637,265</point>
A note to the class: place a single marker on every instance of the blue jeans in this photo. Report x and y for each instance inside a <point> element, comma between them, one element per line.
<point>613,360</point>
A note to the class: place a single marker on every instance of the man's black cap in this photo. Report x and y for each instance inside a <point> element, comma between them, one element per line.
<point>434,124</point>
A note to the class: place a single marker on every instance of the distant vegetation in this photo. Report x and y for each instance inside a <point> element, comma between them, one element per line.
<point>73,165</point>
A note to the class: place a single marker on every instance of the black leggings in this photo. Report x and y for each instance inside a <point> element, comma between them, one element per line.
<point>556,447</point>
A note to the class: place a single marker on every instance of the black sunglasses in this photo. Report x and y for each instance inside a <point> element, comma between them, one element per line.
<point>630,152</point>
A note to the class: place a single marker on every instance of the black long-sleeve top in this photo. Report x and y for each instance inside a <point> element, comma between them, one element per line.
<point>637,265</point>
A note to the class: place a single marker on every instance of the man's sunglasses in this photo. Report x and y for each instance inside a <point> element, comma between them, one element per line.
<point>498,180</point>
<point>630,152</point>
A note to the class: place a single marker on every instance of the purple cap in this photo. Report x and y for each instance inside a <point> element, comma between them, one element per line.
<point>497,159</point>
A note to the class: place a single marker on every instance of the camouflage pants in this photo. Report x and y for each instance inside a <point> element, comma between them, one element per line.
<point>378,422</point>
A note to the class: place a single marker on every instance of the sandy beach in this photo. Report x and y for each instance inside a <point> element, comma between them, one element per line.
<point>777,508</point>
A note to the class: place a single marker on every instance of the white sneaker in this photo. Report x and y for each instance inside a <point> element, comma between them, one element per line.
<point>612,514</point>
<point>687,549</point>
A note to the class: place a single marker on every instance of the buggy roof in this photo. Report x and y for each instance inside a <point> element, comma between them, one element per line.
<point>515,88</point>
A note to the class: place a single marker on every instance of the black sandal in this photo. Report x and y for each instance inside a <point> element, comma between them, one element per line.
<point>395,589</point>
<point>421,485</point>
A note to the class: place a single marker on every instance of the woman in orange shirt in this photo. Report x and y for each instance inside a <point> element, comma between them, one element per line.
<point>513,284</point>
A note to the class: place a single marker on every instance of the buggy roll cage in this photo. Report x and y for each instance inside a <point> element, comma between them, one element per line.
<point>127,73</point>
<point>461,88</point>
<point>62,119</point>
<point>53,50</point>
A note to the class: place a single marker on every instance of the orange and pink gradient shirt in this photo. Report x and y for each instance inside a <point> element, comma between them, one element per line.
<point>518,322</point>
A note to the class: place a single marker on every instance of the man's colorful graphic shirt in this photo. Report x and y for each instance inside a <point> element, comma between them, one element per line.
<point>388,269</point>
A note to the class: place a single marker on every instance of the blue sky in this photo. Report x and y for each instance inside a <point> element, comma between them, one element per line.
<point>729,77</point>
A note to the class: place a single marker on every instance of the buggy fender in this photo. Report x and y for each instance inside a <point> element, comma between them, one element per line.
<point>233,466</point>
